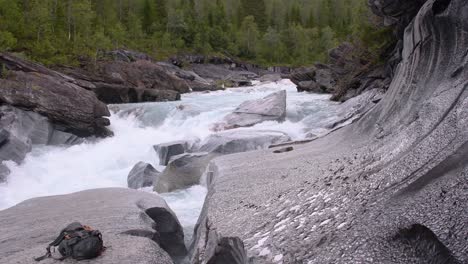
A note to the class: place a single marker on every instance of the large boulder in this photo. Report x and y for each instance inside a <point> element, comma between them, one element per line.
<point>142,175</point>
<point>229,142</point>
<point>168,150</point>
<point>121,81</point>
<point>389,188</point>
<point>35,88</point>
<point>137,227</point>
<point>182,172</point>
<point>249,113</point>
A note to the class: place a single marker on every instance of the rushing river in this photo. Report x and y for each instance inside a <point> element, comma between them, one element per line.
<point>137,127</point>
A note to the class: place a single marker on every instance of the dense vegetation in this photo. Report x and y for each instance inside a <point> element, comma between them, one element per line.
<point>269,32</point>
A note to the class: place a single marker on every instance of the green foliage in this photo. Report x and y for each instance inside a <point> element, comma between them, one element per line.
<point>294,32</point>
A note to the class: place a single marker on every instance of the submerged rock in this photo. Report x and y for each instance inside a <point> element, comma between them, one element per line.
<point>168,150</point>
<point>182,172</point>
<point>142,175</point>
<point>137,227</point>
<point>249,113</point>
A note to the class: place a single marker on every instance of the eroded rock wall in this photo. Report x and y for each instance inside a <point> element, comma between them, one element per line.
<point>390,188</point>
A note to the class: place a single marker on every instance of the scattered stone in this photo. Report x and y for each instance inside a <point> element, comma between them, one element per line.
<point>142,175</point>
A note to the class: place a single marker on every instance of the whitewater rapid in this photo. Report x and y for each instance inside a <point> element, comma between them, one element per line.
<point>101,163</point>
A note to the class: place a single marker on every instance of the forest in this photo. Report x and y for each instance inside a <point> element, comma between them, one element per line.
<point>267,32</point>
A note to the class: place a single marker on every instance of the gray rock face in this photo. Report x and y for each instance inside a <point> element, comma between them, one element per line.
<point>229,142</point>
<point>137,227</point>
<point>390,188</point>
<point>22,129</point>
<point>182,172</point>
<point>33,87</point>
<point>168,150</point>
<point>142,175</point>
<point>270,108</point>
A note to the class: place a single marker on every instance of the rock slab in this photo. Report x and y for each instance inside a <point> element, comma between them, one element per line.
<point>137,227</point>
<point>249,113</point>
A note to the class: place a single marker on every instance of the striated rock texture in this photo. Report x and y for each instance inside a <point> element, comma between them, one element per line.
<point>137,227</point>
<point>35,88</point>
<point>390,188</point>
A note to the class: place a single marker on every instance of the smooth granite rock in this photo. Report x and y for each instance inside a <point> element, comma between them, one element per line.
<point>389,188</point>
<point>249,113</point>
<point>137,227</point>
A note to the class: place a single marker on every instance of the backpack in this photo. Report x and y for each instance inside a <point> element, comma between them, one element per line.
<point>78,242</point>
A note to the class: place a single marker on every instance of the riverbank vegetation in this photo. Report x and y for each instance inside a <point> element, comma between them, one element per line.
<point>267,32</point>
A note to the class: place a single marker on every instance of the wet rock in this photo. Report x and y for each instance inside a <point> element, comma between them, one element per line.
<point>14,149</point>
<point>23,129</point>
<point>249,113</point>
<point>168,150</point>
<point>4,172</point>
<point>229,142</point>
<point>33,87</point>
<point>57,137</point>
<point>137,227</point>
<point>142,175</point>
<point>182,172</point>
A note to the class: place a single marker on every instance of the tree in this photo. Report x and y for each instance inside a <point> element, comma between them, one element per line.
<point>248,37</point>
<point>256,9</point>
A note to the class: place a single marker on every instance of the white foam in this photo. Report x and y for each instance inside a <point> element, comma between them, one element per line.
<point>137,127</point>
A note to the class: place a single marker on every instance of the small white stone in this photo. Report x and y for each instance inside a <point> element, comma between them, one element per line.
<point>325,222</point>
<point>278,258</point>
<point>341,225</point>
<point>281,228</point>
<point>281,213</point>
<point>265,252</point>
<point>295,208</point>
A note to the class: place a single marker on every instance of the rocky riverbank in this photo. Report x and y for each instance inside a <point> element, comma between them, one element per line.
<point>389,188</point>
<point>383,182</point>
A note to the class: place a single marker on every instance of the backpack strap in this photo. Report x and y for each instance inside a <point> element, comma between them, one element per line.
<point>54,243</point>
